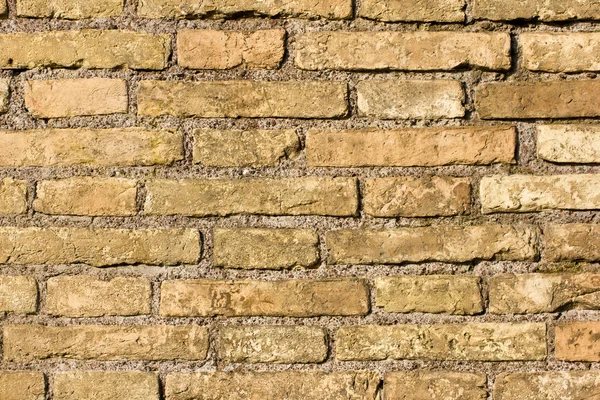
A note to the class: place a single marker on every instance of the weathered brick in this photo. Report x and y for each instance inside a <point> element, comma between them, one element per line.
<point>547,10</point>
<point>471,341</point>
<point>410,99</point>
<point>577,341</point>
<point>86,196</point>
<point>411,147</point>
<point>293,298</point>
<point>435,243</point>
<point>3,8</point>
<point>430,294</point>
<point>265,248</point>
<point>86,48</point>
<point>63,98</point>
<point>86,296</point>
<point>289,385</point>
<point>95,342</point>
<point>210,49</point>
<point>18,294</point>
<point>286,196</point>
<point>243,99</point>
<point>434,385</point>
<point>98,246</point>
<point>244,148</point>
<point>69,9</point>
<point>13,196</point>
<point>416,51</point>
<point>564,385</point>
<point>77,385</point>
<point>417,197</point>
<point>409,10</point>
<point>272,344</point>
<point>64,147</point>
<point>561,52</point>
<point>569,143</point>
<point>572,242</point>
<point>4,95</point>
<point>556,99</point>
<point>22,385</point>
<point>333,9</point>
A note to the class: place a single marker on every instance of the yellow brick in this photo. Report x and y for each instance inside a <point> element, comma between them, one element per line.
<point>547,10</point>
<point>564,385</point>
<point>569,143</point>
<point>409,10</point>
<point>561,52</point>
<point>434,385</point>
<point>4,95</point>
<point>69,9</point>
<point>22,385</point>
<point>77,385</point>
<point>577,341</point>
<point>18,294</point>
<point>13,196</point>
<point>572,242</point>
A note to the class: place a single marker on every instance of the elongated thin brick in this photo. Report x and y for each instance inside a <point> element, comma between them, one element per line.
<point>414,51</point>
<point>411,147</point>
<point>77,385</point>
<point>95,342</point>
<point>561,52</point>
<point>87,196</point>
<point>272,344</point>
<point>543,10</point>
<point>233,99</point>
<point>210,49</point>
<point>22,385</point>
<point>18,294</point>
<point>285,196</point>
<point>569,143</point>
<point>69,9</point>
<point>434,385</point>
<point>460,342</point>
<point>436,243</point>
<point>13,196</point>
<point>430,294</point>
<point>410,10</point>
<point>577,341</point>
<point>564,385</point>
<point>293,298</point>
<point>62,98</point>
<point>265,248</point>
<point>3,8</point>
<point>98,246</point>
<point>572,242</point>
<point>86,296</point>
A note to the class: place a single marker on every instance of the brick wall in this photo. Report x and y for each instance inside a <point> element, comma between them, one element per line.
<point>299,199</point>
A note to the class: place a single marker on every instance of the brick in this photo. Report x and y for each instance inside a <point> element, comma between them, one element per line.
<point>272,344</point>
<point>210,49</point>
<point>22,385</point>
<point>413,51</point>
<point>408,10</point>
<point>101,342</point>
<point>434,385</point>
<point>86,296</point>
<point>430,294</point>
<point>233,99</point>
<point>18,294</point>
<point>76,385</point>
<point>287,298</point>
<point>577,341</point>
<point>543,293</point>
<point>62,98</point>
<point>3,8</point>
<point>102,147</point>
<point>98,246</point>
<point>569,143</point>
<point>244,148</point>
<point>564,385</point>
<point>289,385</point>
<point>556,99</point>
<point>410,99</point>
<point>572,242</point>
<point>435,243</point>
<point>460,342</point>
<point>222,197</point>
<point>411,147</point>
<point>417,197</point>
<point>547,10</point>
<point>559,52</point>
<point>332,9</point>
<point>4,95</point>
<point>87,48</point>
<point>93,196</point>
<point>265,248</point>
<point>69,9</point>
<point>13,196</point>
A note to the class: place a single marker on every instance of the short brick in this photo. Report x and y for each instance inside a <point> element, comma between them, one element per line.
<point>408,10</point>
<point>91,196</point>
<point>65,147</point>
<point>64,98</point>
<point>272,344</point>
<point>436,243</point>
<point>417,197</point>
<point>430,294</point>
<point>210,49</point>
<point>22,385</point>
<point>77,385</point>
<point>95,342</point>
<point>265,248</point>
<point>577,341</point>
<point>289,385</point>
<point>547,10</point>
<point>288,298</point>
<point>3,8</point>
<point>564,385</point>
<point>18,294</point>
<point>561,52</point>
<point>572,242</point>
<point>410,99</point>
<point>244,148</point>
<point>69,9</point>
<point>222,197</point>
<point>569,143</point>
<point>4,95</point>
<point>13,196</point>
<point>233,99</point>
<point>411,147</point>
<point>434,385</point>
<point>460,342</point>
<point>98,246</point>
<point>414,51</point>
<point>86,296</point>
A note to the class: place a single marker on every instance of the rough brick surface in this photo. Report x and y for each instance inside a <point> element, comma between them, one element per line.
<point>18,294</point>
<point>409,10</point>
<point>4,95</point>
<point>79,385</point>
<point>433,385</point>
<point>22,385</point>
<point>69,9</point>
<point>572,385</point>
<point>569,143</point>
<point>544,10</point>
<point>572,242</point>
<point>13,196</point>
<point>577,341</point>
<point>559,52</point>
